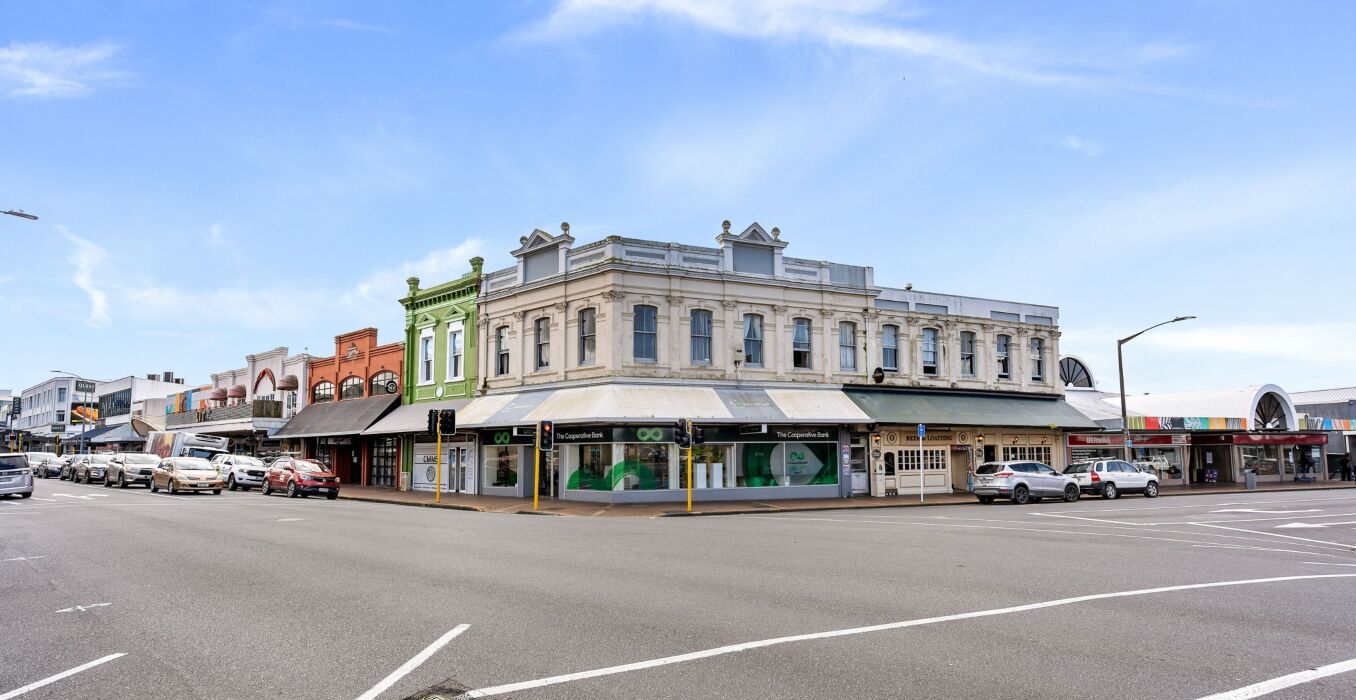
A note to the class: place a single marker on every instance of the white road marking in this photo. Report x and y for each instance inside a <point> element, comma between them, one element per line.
<point>1217,505</point>
<point>291,520</point>
<point>83,608</point>
<point>413,663</point>
<point>1326,563</point>
<point>730,649</point>
<point>1273,512</point>
<point>1075,517</point>
<point>1313,525</point>
<point>64,674</point>
<point>49,500</point>
<point>40,556</point>
<point>85,497</point>
<point>1260,549</point>
<point>1347,547</point>
<point>1275,684</point>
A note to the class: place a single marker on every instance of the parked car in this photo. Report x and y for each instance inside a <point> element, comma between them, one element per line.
<point>44,464</point>
<point>16,477</point>
<point>1111,477</point>
<point>300,477</point>
<point>1022,482</point>
<point>240,471</point>
<point>90,468</point>
<point>127,468</point>
<point>64,471</point>
<point>181,474</point>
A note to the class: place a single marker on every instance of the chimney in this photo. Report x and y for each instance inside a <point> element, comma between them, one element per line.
<point>179,380</point>
<point>153,377</point>
<point>169,377</point>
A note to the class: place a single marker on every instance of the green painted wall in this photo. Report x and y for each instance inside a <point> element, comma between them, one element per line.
<point>439,307</point>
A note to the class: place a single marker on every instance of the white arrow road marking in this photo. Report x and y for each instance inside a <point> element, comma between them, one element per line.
<point>410,665</point>
<point>40,556</point>
<point>733,648</point>
<point>1260,510</point>
<point>64,674</point>
<point>1275,684</point>
<point>85,497</point>
<point>83,608</point>
<point>1311,525</point>
<point>49,500</point>
<point>1347,547</point>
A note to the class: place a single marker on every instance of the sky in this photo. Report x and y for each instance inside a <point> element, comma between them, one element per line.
<point>219,179</point>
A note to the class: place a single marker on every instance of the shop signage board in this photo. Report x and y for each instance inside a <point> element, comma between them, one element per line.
<point>507,436</point>
<point>58,427</point>
<point>84,386</point>
<point>15,408</point>
<point>1104,440</point>
<point>775,433</point>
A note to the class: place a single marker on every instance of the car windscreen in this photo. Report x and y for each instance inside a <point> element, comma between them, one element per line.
<point>1080,468</point>
<point>100,459</point>
<point>142,459</point>
<point>307,465</point>
<point>989,469</point>
<point>201,454</point>
<point>193,463</point>
<point>13,462</point>
<point>247,462</point>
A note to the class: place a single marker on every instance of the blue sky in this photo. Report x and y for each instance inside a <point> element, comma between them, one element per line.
<point>217,179</point>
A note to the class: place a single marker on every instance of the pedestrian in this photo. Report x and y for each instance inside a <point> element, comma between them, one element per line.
<point>1346,467</point>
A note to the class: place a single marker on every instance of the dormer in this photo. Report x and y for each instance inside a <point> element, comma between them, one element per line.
<point>754,251</point>
<point>542,255</point>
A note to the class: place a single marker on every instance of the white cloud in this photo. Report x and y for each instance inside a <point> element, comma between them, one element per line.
<point>1311,343</point>
<point>216,235</point>
<point>380,289</point>
<point>352,26</point>
<point>47,70</point>
<point>864,24</point>
<point>86,258</point>
<point>1081,145</point>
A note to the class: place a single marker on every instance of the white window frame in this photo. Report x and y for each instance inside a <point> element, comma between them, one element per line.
<point>923,352</point>
<point>804,346</point>
<point>1037,348</point>
<point>967,356</point>
<point>703,338</point>
<point>426,360</point>
<point>1003,355</point>
<point>851,345</point>
<point>541,344</point>
<point>588,339</point>
<point>887,363</point>
<point>456,362</point>
<point>753,339</point>
<point>501,350</point>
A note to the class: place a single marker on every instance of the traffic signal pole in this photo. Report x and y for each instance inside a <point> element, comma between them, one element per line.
<point>536,470</point>
<point>438,478</point>
<point>689,478</point>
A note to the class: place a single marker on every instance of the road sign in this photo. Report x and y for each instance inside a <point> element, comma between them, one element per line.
<point>84,386</point>
<point>922,430</point>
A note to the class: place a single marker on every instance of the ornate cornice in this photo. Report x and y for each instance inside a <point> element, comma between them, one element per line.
<point>730,304</point>
<point>613,295</point>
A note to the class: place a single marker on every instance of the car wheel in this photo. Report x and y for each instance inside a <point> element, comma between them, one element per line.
<point>1151,491</point>
<point>332,496</point>
<point>173,491</point>
<point>26,495</point>
<point>108,480</point>
<point>986,499</point>
<point>230,482</point>
<point>122,480</point>
<point>265,489</point>
<point>216,492</point>
<point>1110,491</point>
<point>291,489</point>
<point>1070,494</point>
<point>1020,495</point>
<point>154,488</point>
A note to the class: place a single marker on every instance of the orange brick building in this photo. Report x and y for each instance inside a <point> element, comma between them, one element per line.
<point>349,392</point>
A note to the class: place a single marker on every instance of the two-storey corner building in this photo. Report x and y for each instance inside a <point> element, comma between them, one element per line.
<point>248,404</point>
<point>618,339</point>
<point>121,400</point>
<point>440,340</point>
<point>349,392</point>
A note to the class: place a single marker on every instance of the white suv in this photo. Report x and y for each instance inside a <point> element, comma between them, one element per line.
<point>1111,477</point>
<point>1022,482</point>
<point>239,471</point>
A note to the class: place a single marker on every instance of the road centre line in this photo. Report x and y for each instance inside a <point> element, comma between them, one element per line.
<point>64,674</point>
<point>1341,548</point>
<point>414,663</point>
<point>733,648</point>
<point>1346,547</point>
<point>1270,686</point>
<point>1075,517</point>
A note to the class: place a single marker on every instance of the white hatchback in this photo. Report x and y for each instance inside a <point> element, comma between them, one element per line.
<point>1110,478</point>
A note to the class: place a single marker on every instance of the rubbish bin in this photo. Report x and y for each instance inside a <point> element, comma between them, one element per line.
<point>1249,480</point>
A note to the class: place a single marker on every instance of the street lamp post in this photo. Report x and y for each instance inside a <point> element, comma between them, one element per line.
<point>1120,369</point>
<point>84,420</point>
<point>20,213</point>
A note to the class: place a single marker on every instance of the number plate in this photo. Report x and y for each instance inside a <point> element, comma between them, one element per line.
<point>323,490</point>
<point>202,486</point>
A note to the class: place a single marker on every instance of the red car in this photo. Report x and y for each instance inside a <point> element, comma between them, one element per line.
<point>300,477</point>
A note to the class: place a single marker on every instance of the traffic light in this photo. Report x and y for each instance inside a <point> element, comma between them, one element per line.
<point>698,435</point>
<point>546,435</point>
<point>433,421</point>
<point>681,437</point>
<point>447,421</point>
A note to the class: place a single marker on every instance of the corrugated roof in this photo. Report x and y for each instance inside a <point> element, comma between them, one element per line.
<point>348,417</point>
<point>941,408</point>
<point>1322,396</point>
<point>413,418</point>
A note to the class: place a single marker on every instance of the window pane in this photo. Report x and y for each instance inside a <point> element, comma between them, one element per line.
<point>811,464</point>
<point>593,468</point>
<point>500,466</point>
<point>800,344</point>
<point>645,466</point>
<point>646,344</point>
<point>760,464</point>
<point>753,340</point>
<point>889,348</point>
<point>701,337</point>
<point>847,345</point>
<point>929,351</point>
<point>1001,355</point>
<point>588,338</point>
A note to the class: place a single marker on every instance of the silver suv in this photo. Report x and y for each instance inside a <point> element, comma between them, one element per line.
<point>1109,478</point>
<point>1022,482</point>
<point>15,475</point>
<point>240,471</point>
<point>89,467</point>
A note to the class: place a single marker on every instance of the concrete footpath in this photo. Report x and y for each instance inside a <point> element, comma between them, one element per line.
<point>548,506</point>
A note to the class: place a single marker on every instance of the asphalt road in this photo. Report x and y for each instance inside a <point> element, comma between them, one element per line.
<point>245,596</point>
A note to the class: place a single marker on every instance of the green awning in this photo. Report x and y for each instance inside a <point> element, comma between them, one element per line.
<point>948,408</point>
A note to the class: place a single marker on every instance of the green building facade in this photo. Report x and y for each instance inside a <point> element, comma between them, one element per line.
<point>440,359</point>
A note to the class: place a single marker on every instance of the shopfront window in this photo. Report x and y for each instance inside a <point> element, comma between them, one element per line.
<point>1262,460</point>
<point>1027,453</point>
<point>712,467</point>
<point>811,464</point>
<point>592,467</point>
<point>645,466</point>
<point>500,465</point>
<point>760,464</point>
<point>933,459</point>
<point>1301,462</point>
<point>384,455</point>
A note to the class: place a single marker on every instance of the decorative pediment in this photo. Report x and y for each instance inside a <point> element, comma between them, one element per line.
<point>755,234</point>
<point>540,240</point>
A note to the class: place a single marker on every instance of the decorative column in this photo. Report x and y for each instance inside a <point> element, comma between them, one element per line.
<point>676,354</point>
<point>777,355</point>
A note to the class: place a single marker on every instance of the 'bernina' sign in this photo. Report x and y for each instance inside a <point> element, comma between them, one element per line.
<point>1114,440</point>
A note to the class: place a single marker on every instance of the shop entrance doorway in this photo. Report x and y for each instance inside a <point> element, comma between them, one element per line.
<point>858,462</point>
<point>1211,465</point>
<point>546,488</point>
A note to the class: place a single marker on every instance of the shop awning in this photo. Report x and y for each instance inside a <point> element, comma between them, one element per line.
<point>88,435</point>
<point>652,403</point>
<point>349,417</point>
<point>117,434</point>
<point>946,408</point>
<point>413,418</point>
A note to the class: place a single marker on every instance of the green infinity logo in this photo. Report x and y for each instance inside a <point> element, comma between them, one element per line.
<point>800,456</point>
<point>502,438</point>
<point>649,434</point>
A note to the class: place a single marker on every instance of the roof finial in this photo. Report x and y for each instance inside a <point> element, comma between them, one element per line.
<point>776,233</point>
<point>725,226</point>
<point>565,227</point>
<point>414,285</point>
<point>522,240</point>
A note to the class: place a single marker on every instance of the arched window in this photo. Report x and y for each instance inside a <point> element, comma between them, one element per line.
<point>753,340</point>
<point>1270,413</point>
<point>385,383</point>
<point>1072,372</point>
<point>351,388</point>
<point>322,393</point>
